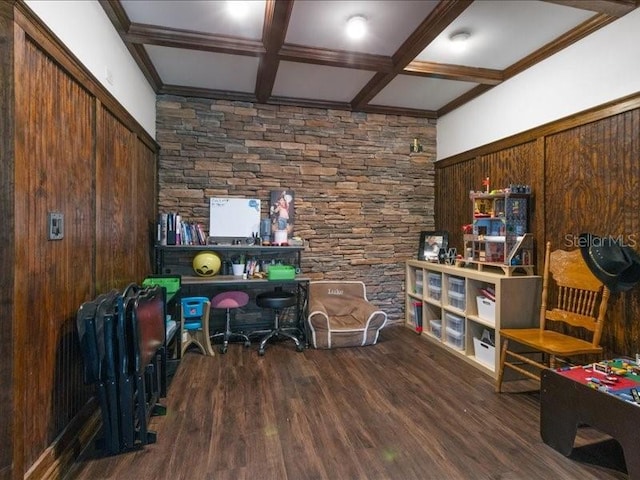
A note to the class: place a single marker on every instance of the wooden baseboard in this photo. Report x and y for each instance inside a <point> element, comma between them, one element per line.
<point>58,459</point>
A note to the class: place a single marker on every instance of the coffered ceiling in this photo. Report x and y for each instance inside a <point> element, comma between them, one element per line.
<point>297,52</point>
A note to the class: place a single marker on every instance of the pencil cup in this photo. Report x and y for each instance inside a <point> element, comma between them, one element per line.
<point>238,269</point>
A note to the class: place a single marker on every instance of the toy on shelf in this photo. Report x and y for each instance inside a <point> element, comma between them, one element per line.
<point>498,235</point>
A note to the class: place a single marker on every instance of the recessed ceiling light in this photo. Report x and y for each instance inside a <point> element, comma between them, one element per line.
<point>357,27</point>
<point>237,8</point>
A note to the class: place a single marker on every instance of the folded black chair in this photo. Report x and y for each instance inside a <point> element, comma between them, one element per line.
<point>122,339</point>
<point>95,335</point>
<point>126,371</point>
<point>149,357</point>
<point>171,285</point>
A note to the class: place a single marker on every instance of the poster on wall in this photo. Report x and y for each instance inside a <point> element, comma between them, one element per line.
<point>282,213</point>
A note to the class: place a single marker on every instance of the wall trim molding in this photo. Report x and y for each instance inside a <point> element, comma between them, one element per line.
<point>58,458</point>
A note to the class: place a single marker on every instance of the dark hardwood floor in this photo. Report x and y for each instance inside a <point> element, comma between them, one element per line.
<point>402,409</point>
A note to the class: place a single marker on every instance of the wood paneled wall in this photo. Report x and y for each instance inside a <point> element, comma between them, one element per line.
<point>7,265</point>
<point>585,177</point>
<point>53,173</point>
<point>66,147</point>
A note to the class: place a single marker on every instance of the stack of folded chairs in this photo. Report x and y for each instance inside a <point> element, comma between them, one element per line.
<point>122,338</point>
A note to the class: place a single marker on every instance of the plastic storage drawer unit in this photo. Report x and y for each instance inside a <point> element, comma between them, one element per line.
<point>456,284</point>
<point>435,279</point>
<point>436,328</point>
<point>456,300</point>
<point>419,283</point>
<point>454,322</point>
<point>435,293</point>
<point>455,339</point>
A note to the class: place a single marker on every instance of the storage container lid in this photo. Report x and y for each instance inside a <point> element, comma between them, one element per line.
<point>453,318</point>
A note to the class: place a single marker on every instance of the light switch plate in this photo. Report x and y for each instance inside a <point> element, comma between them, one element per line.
<point>56,225</point>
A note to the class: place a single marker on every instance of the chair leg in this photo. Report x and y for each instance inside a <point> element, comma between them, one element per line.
<point>503,357</point>
<point>276,332</point>
<point>227,335</point>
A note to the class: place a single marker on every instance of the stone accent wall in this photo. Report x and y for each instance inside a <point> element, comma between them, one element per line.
<point>361,198</point>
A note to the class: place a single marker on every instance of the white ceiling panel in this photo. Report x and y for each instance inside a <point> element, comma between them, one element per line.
<point>299,80</point>
<point>198,15</point>
<point>216,71</point>
<point>389,23</point>
<point>418,92</point>
<point>303,53</point>
<point>503,32</point>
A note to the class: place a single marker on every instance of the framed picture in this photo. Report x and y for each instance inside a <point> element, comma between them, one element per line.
<point>282,214</point>
<point>431,244</point>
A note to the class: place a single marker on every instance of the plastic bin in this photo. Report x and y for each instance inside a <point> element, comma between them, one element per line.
<point>454,322</point>
<point>455,339</point>
<point>456,284</point>
<point>456,300</point>
<point>435,327</point>
<point>486,308</point>
<point>419,282</point>
<point>435,293</point>
<point>435,279</point>
<point>485,353</point>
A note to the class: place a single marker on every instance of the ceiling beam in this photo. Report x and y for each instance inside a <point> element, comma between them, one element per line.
<point>440,17</point>
<point>182,91</point>
<point>276,22</point>
<point>335,58</point>
<point>454,72</point>
<point>116,14</point>
<point>615,8</point>
<point>189,40</point>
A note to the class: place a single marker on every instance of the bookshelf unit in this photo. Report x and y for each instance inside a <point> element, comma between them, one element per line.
<point>446,297</point>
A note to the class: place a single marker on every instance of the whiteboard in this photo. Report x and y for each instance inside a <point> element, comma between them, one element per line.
<point>234,217</point>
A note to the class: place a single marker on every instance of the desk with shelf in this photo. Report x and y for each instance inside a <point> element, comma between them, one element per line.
<point>448,297</point>
<point>177,260</point>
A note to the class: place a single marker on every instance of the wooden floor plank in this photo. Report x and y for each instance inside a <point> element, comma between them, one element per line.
<point>402,409</point>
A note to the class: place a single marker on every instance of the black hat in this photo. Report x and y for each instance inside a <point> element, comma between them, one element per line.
<point>615,265</point>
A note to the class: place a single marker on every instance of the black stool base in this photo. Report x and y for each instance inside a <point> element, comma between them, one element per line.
<point>276,334</point>
<point>277,301</point>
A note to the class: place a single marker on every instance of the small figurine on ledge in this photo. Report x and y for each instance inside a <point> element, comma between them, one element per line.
<point>485,183</point>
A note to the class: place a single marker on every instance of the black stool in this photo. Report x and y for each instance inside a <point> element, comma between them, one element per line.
<point>277,300</point>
